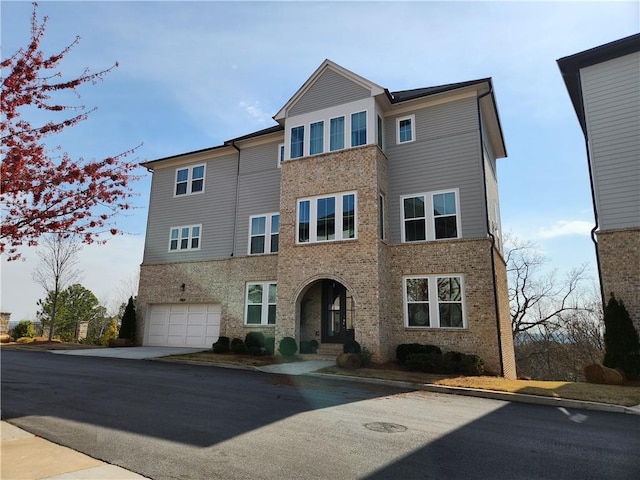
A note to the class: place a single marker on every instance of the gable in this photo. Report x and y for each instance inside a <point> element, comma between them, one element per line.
<point>329,90</point>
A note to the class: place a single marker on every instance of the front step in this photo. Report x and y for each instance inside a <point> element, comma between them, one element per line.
<point>330,349</point>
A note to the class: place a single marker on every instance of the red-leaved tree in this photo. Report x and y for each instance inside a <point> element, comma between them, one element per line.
<point>39,192</point>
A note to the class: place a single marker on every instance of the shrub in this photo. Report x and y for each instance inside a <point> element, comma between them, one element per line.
<point>426,362</point>
<point>405,349</point>
<point>221,346</point>
<point>305,346</point>
<point>24,329</point>
<point>365,357</point>
<point>25,340</point>
<point>470,365</point>
<point>128,324</point>
<point>288,347</point>
<point>621,342</point>
<point>351,346</point>
<point>450,362</point>
<point>270,345</point>
<point>238,346</point>
<point>254,339</point>
<point>314,346</point>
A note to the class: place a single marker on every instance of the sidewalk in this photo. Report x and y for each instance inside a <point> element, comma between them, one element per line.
<point>27,457</point>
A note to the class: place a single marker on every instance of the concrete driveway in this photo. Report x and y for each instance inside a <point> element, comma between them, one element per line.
<point>135,353</point>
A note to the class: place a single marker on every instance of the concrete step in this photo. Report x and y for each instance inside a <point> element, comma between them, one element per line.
<point>333,349</point>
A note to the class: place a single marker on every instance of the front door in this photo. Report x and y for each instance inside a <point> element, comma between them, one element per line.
<point>337,313</point>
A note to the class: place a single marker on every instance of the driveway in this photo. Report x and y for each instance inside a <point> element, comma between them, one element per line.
<point>133,353</point>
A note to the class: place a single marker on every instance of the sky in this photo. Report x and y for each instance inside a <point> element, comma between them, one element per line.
<point>194,74</point>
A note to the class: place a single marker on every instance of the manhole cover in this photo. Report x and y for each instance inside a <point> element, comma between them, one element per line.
<point>384,427</point>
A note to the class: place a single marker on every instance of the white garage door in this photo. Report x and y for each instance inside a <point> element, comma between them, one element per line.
<point>183,325</point>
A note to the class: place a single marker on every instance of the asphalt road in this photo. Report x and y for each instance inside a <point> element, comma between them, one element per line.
<point>172,421</point>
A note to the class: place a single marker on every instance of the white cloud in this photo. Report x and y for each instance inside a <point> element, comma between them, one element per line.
<point>564,228</point>
<point>254,111</point>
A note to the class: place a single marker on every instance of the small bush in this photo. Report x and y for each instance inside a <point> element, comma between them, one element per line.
<point>24,329</point>
<point>25,340</point>
<point>221,346</point>
<point>257,351</point>
<point>621,340</point>
<point>351,346</point>
<point>314,346</point>
<point>465,363</point>
<point>238,347</point>
<point>365,357</point>
<point>270,345</point>
<point>288,347</point>
<point>424,362</point>
<point>405,349</point>
<point>305,346</point>
<point>254,339</point>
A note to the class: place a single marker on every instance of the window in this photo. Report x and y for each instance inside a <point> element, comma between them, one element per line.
<point>316,131</point>
<point>336,134</point>
<point>380,131</point>
<point>280,154</point>
<point>189,180</point>
<point>185,238</point>
<point>260,304</point>
<point>297,142</point>
<point>263,233</point>
<point>358,129</point>
<point>328,218</point>
<point>430,216</point>
<point>406,129</point>
<point>434,302</point>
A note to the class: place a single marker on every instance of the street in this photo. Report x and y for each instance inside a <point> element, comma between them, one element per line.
<point>177,421</point>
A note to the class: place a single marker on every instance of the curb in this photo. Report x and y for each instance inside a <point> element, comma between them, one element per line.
<point>492,394</point>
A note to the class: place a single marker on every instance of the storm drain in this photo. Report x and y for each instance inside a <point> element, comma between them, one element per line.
<point>384,427</point>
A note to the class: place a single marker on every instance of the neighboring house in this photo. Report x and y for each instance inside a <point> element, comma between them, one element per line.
<point>363,214</point>
<point>604,86</point>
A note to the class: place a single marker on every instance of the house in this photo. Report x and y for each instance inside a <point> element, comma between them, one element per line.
<point>362,214</point>
<point>604,86</point>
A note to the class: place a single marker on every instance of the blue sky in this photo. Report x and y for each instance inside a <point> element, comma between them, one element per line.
<point>194,74</point>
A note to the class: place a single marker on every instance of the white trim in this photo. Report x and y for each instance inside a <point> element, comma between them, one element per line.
<point>280,156</point>
<point>313,217</point>
<point>430,232</point>
<point>434,310</point>
<point>412,118</point>
<point>264,312</point>
<point>189,238</point>
<point>267,233</point>
<point>189,180</point>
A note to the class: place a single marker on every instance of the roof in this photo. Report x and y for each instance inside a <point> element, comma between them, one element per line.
<point>404,95</point>
<point>571,65</point>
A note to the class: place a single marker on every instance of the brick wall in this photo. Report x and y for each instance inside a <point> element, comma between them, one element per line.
<point>619,253</point>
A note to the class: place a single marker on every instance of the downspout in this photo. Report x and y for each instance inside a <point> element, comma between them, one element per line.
<point>235,208</point>
<point>493,238</point>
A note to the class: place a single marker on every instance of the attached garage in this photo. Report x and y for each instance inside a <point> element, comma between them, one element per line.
<point>182,325</point>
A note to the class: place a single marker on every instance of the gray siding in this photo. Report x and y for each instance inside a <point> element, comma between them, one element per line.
<point>214,209</point>
<point>329,90</point>
<point>258,189</point>
<point>445,155</point>
<point>611,95</point>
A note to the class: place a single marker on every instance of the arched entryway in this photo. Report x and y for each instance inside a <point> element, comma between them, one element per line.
<point>327,312</point>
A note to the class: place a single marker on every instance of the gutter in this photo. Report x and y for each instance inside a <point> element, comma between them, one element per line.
<point>235,208</point>
<point>493,238</point>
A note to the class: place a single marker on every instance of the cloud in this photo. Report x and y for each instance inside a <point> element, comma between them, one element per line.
<point>563,228</point>
<point>254,111</point>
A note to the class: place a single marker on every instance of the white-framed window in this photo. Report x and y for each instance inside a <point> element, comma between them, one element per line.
<point>406,129</point>
<point>430,216</point>
<point>187,237</point>
<point>280,154</point>
<point>264,233</point>
<point>336,133</point>
<point>189,180</point>
<point>316,140</point>
<point>358,129</point>
<point>434,301</point>
<point>260,303</point>
<point>297,141</point>
<point>327,218</point>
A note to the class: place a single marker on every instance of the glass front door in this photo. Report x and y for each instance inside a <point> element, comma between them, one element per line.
<point>337,313</point>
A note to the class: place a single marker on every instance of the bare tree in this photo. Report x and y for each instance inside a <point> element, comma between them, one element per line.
<point>536,298</point>
<point>57,268</point>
